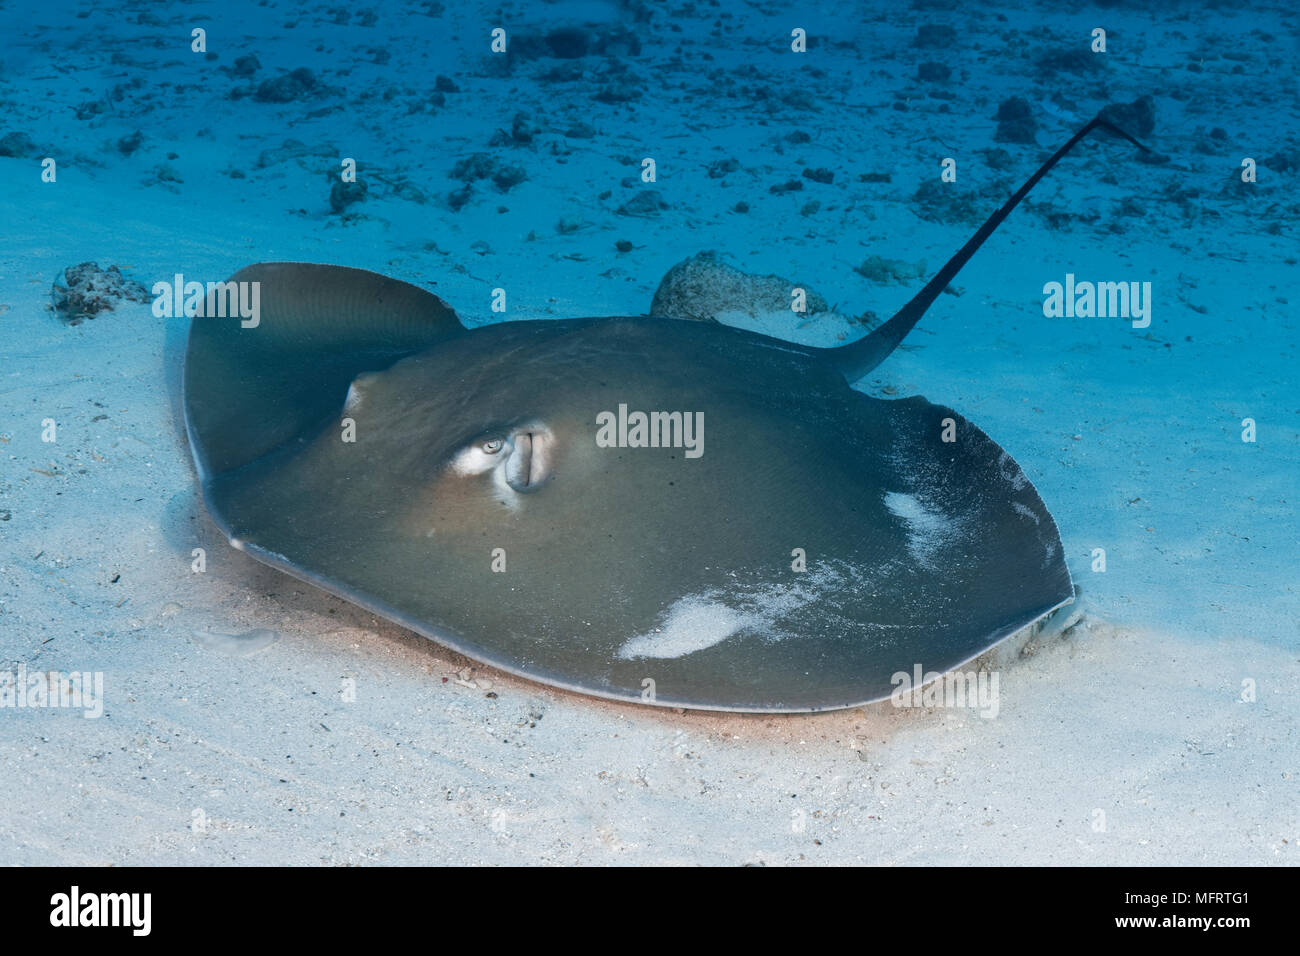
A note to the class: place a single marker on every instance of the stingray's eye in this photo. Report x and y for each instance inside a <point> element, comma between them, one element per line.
<point>492,446</point>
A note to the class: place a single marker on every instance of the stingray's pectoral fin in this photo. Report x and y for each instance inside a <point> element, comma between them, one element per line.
<point>977,530</point>
<point>255,383</point>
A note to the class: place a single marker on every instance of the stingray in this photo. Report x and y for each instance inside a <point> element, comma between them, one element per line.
<point>671,512</point>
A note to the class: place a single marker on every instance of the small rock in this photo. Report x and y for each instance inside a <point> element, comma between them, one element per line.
<point>801,100</point>
<point>522,130</point>
<point>17,145</point>
<point>890,271</point>
<point>648,202</point>
<point>1284,161</point>
<point>1137,118</point>
<point>90,109</point>
<point>931,72</point>
<point>507,177</point>
<point>704,288</point>
<point>473,167</point>
<point>129,144</point>
<point>457,198</point>
<point>166,173</point>
<point>343,195</point>
<point>87,290</point>
<point>287,88</point>
<point>952,204</point>
<point>1016,123</point>
<point>720,167</point>
<point>998,158</point>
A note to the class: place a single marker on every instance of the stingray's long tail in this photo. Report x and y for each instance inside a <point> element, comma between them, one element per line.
<point>858,358</point>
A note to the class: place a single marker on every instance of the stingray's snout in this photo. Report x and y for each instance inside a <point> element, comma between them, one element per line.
<point>529,464</point>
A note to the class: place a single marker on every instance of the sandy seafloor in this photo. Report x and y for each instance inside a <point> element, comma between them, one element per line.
<point>1132,437</point>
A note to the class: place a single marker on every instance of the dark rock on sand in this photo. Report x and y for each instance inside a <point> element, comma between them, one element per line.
<point>704,287</point>
<point>17,145</point>
<point>343,195</point>
<point>648,202</point>
<point>246,65</point>
<point>1137,118</point>
<point>87,290</point>
<point>1016,123</point>
<point>473,167</point>
<point>931,72</point>
<point>300,83</point>
<point>129,144</point>
<point>508,177</point>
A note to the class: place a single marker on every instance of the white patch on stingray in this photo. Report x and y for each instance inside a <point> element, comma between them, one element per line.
<point>700,621</point>
<point>928,530</point>
<point>473,460</point>
<point>693,624</point>
<point>356,396</point>
<point>1011,472</point>
<point>1024,512</point>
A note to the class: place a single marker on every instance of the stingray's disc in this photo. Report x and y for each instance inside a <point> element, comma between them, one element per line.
<point>812,543</point>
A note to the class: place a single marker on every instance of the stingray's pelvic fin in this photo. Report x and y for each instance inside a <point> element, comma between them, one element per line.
<point>858,358</point>
<point>252,385</point>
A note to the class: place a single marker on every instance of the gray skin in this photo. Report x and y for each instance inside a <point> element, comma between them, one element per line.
<point>626,564</point>
<point>823,542</point>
